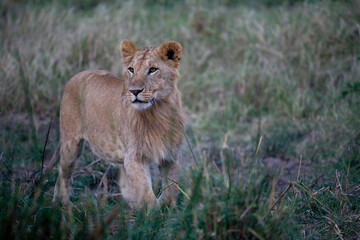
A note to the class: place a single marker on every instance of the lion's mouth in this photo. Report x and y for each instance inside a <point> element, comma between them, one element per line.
<point>139,101</point>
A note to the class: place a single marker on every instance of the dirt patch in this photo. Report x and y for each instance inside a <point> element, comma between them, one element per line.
<point>287,169</point>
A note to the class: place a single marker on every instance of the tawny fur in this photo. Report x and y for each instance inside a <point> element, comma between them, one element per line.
<point>102,109</point>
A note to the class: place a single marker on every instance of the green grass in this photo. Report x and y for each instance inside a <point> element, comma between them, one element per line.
<point>285,72</point>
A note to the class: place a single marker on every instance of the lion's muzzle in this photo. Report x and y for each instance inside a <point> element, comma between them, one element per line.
<point>139,98</point>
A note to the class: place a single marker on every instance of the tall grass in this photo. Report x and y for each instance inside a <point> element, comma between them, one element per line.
<point>250,207</point>
<point>212,210</point>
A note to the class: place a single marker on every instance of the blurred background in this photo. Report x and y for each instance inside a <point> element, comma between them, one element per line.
<point>270,81</point>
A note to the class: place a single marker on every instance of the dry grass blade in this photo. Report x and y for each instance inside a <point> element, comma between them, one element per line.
<point>338,183</point>
<point>272,192</point>
<point>258,146</point>
<point>221,175</point>
<point>6,166</point>
<point>52,161</point>
<point>26,91</point>
<point>299,168</point>
<point>336,227</point>
<point>191,150</point>
<point>169,185</point>
<point>248,208</point>
<point>43,153</point>
<point>217,168</point>
<point>279,199</point>
<point>178,187</point>
<point>255,234</point>
<point>102,179</point>
<point>326,208</point>
<point>95,234</point>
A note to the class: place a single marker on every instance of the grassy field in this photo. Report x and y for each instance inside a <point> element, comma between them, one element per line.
<point>272,94</point>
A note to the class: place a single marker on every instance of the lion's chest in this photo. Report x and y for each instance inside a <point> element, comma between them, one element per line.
<point>151,142</point>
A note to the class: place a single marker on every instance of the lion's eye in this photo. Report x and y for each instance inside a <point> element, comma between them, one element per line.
<point>131,69</point>
<point>152,70</point>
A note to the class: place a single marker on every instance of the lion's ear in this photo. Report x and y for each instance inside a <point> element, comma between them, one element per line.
<point>128,50</point>
<point>171,51</point>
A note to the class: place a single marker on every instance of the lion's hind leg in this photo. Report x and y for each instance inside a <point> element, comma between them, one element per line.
<point>69,152</point>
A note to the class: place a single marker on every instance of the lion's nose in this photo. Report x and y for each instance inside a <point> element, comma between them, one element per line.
<point>136,91</point>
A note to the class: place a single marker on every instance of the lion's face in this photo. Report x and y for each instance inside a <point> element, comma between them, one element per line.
<point>150,73</point>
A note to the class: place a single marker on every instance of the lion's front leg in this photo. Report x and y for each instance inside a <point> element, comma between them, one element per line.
<point>170,176</point>
<point>135,183</point>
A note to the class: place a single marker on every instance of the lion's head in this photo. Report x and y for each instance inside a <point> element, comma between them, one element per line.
<point>150,72</point>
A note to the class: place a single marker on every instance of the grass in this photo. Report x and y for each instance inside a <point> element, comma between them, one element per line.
<point>285,72</point>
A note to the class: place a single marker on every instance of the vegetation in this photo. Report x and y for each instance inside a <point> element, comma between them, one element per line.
<point>272,92</point>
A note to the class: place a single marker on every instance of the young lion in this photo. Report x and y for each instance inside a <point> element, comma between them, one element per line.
<point>129,123</point>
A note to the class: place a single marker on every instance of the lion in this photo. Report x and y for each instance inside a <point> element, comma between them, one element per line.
<point>130,122</point>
